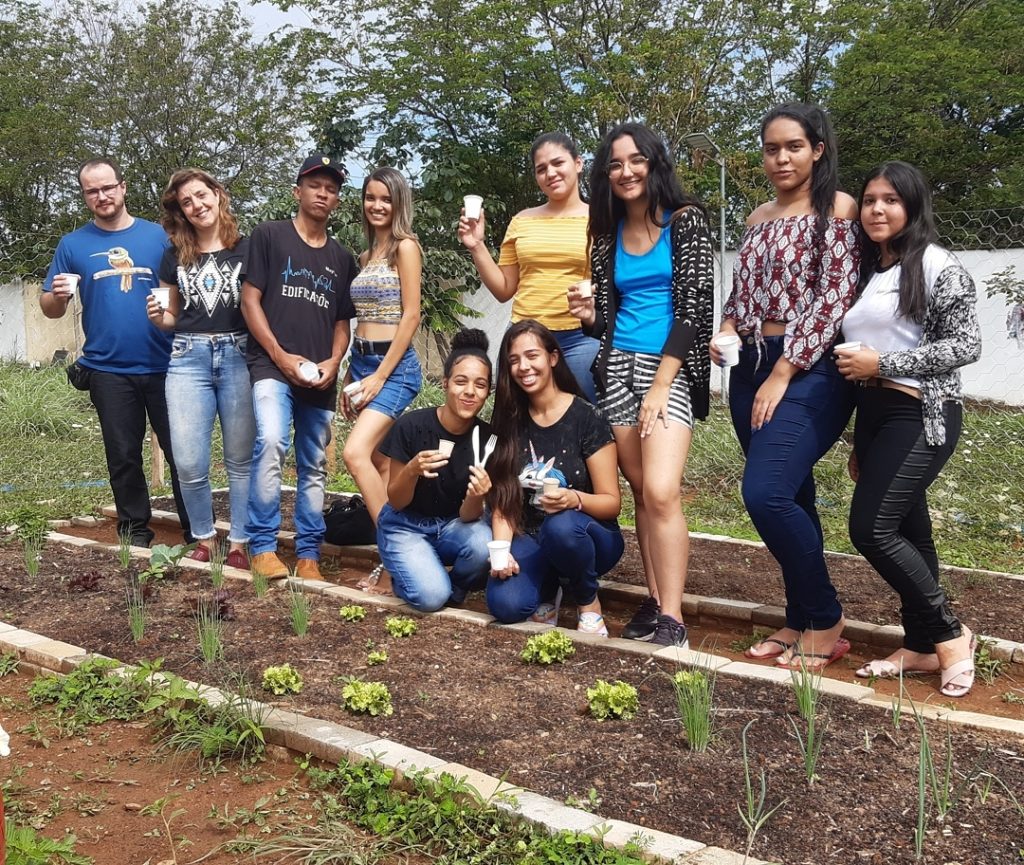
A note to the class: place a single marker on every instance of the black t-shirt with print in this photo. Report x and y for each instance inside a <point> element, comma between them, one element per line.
<point>420,430</point>
<point>305,293</point>
<point>575,437</point>
<point>210,289</point>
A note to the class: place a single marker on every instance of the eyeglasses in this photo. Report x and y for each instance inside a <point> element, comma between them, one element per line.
<point>107,190</point>
<point>635,163</point>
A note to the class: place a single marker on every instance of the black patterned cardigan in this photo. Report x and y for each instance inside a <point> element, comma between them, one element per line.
<point>950,339</point>
<point>693,298</point>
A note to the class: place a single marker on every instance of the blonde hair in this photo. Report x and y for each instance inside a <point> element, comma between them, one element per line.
<point>401,211</point>
<point>180,230</point>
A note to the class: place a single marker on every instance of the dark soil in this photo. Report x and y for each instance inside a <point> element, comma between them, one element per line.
<point>460,692</point>
<point>988,605</point>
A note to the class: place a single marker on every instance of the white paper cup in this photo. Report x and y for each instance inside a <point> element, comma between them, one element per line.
<point>473,203</point>
<point>309,371</point>
<point>163,296</point>
<point>729,346</point>
<point>354,389</point>
<point>445,447</point>
<point>499,553</point>
<point>550,485</point>
<point>584,288</point>
<point>72,282</point>
<point>855,345</point>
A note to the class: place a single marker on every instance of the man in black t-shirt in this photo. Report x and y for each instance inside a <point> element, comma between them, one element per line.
<point>297,305</point>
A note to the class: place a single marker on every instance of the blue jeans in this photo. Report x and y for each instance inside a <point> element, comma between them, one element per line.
<point>778,479</point>
<point>276,407</point>
<point>401,387</point>
<point>571,549</point>
<point>208,378</point>
<point>415,549</point>
<point>579,351</point>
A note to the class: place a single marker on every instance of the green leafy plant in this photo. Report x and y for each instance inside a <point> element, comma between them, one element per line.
<point>136,603</point>
<point>400,626</point>
<point>752,811</point>
<point>548,648</point>
<point>618,700</point>
<point>300,607</point>
<point>232,728</point>
<point>165,556</point>
<point>159,809</point>
<point>371,698</point>
<point>26,847</point>
<point>8,664</point>
<point>695,691</point>
<point>377,656</point>
<point>987,666</point>
<point>284,679</point>
<point>209,631</point>
<point>353,613</point>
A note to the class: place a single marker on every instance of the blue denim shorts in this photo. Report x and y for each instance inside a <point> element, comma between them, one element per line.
<point>401,387</point>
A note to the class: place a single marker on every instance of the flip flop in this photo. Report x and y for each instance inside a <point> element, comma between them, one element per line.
<point>885,669</point>
<point>782,644</point>
<point>958,679</point>
<point>796,662</point>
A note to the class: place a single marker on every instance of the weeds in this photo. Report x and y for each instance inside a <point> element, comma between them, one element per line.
<point>987,666</point>
<point>209,632</point>
<point>26,846</point>
<point>136,603</point>
<point>752,812</point>
<point>695,692</point>
<point>745,642</point>
<point>8,664</point>
<point>159,809</point>
<point>300,607</point>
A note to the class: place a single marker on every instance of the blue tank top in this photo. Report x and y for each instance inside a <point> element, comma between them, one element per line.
<point>644,283</point>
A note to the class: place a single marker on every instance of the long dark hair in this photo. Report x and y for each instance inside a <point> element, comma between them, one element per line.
<point>663,188</point>
<point>559,139</point>
<point>908,245</point>
<point>825,172</point>
<point>180,231</point>
<point>508,420</point>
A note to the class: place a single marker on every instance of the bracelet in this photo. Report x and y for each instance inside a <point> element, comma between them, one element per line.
<point>579,499</point>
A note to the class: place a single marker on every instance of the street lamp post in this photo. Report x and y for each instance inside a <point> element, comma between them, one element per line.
<point>702,141</point>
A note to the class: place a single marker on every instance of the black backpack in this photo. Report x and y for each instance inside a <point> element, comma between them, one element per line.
<point>349,524</point>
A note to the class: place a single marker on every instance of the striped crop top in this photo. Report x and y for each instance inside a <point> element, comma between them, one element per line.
<point>377,293</point>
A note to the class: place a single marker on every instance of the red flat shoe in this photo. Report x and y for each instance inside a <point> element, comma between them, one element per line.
<point>237,559</point>
<point>199,554</point>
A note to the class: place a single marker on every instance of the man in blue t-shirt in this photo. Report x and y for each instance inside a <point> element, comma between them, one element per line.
<point>297,305</point>
<point>112,264</point>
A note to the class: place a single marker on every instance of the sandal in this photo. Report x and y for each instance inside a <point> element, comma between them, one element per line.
<point>767,656</point>
<point>886,669</point>
<point>958,679</point>
<point>799,657</point>
<point>547,613</point>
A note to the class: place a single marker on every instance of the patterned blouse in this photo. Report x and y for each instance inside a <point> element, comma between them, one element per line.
<point>377,293</point>
<point>693,295</point>
<point>782,274</point>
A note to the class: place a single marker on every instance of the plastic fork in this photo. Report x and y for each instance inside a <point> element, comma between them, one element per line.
<point>489,447</point>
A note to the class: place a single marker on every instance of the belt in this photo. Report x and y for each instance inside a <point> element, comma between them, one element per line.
<point>892,385</point>
<point>369,346</point>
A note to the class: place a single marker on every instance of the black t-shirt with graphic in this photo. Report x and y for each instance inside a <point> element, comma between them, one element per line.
<point>305,293</point>
<point>420,430</point>
<point>210,289</point>
<point>570,441</point>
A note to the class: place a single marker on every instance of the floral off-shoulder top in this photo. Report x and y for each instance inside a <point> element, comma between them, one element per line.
<point>784,273</point>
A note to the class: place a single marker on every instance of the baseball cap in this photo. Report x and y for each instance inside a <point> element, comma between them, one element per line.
<point>320,162</point>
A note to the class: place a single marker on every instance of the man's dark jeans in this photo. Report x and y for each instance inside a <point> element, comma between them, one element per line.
<point>122,403</point>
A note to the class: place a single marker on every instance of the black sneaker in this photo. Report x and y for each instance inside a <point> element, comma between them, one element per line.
<point>641,626</point>
<point>669,632</point>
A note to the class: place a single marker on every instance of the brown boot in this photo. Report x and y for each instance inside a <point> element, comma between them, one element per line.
<point>269,565</point>
<point>308,569</point>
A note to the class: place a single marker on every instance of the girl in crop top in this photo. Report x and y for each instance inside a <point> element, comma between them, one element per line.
<point>544,253</point>
<point>916,325</point>
<point>794,279</point>
<point>384,373</point>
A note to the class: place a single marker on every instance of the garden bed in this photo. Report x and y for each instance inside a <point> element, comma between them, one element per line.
<point>460,692</point>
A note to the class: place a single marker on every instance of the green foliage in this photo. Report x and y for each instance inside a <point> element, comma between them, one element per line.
<point>618,700</point>
<point>377,656</point>
<point>284,679</point>
<point>165,557</point>
<point>353,613</point>
<point>209,631</point>
<point>90,694</point>
<point>136,604</point>
<point>752,810</point>
<point>371,698</point>
<point>548,648</point>
<point>27,847</point>
<point>232,729</point>
<point>695,691</point>
<point>807,690</point>
<point>8,664</point>
<point>986,665</point>
<point>300,607</point>
<point>260,584</point>
<point>400,626</point>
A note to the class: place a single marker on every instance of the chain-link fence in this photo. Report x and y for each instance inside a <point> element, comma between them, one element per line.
<point>977,503</point>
